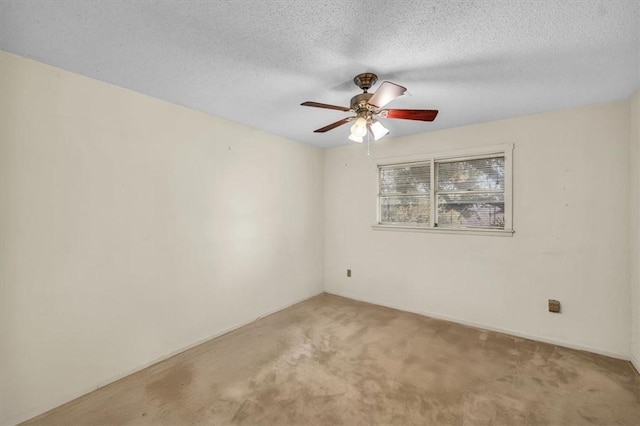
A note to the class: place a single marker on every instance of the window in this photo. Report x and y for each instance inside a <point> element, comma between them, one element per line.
<point>463,191</point>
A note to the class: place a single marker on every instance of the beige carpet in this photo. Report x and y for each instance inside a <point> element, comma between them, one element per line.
<point>334,361</point>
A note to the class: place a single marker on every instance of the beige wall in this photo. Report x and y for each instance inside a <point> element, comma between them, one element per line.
<point>635,229</point>
<point>131,228</point>
<point>571,210</point>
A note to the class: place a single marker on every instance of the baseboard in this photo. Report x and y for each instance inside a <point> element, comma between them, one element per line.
<point>166,356</point>
<point>515,333</point>
<point>636,363</point>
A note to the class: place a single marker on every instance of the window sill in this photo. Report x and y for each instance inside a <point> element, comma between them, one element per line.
<point>460,231</point>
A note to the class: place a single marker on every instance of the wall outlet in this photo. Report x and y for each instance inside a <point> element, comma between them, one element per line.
<point>349,273</point>
<point>554,306</point>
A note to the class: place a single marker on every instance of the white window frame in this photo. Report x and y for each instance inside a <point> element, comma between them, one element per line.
<point>504,150</point>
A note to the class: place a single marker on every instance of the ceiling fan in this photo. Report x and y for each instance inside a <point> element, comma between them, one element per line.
<point>367,108</point>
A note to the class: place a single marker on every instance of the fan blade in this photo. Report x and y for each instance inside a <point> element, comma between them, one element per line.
<point>327,106</point>
<point>333,125</point>
<point>386,93</point>
<point>410,114</point>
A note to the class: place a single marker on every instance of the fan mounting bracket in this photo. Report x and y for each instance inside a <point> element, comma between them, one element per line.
<point>365,80</point>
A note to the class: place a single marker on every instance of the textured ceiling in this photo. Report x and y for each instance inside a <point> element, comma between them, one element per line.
<point>254,62</point>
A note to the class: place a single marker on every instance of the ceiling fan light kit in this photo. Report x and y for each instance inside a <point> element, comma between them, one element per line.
<point>367,107</point>
<point>378,130</point>
<point>359,129</point>
<point>356,138</point>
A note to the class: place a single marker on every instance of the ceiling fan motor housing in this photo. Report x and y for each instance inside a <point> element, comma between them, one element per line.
<point>360,105</point>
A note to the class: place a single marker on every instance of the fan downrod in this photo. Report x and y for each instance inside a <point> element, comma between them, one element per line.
<point>365,80</point>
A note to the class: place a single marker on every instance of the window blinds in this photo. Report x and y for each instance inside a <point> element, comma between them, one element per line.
<point>468,193</point>
<point>405,194</point>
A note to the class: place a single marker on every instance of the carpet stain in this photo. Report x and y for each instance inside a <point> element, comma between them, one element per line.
<point>173,386</point>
